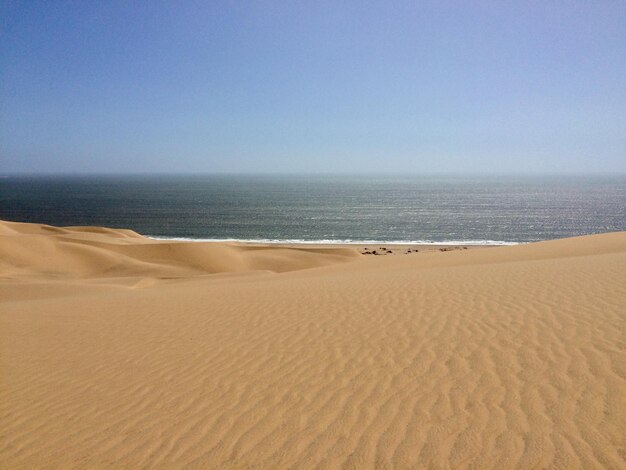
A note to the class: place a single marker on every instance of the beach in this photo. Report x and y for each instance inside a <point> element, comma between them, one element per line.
<point>121,351</point>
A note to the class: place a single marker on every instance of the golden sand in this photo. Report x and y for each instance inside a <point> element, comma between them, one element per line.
<point>120,351</point>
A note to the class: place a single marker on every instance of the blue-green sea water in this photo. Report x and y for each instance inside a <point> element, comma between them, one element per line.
<point>431,209</point>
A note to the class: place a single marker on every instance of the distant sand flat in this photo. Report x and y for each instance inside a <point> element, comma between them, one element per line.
<point>120,351</point>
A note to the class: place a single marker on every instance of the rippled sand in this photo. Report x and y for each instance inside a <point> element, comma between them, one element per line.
<point>119,351</point>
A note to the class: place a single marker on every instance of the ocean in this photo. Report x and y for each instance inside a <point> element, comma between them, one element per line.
<point>325,209</point>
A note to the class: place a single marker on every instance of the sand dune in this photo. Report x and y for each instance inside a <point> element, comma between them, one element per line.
<point>33,250</point>
<point>120,351</point>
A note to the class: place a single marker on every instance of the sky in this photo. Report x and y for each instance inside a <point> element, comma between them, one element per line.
<point>312,87</point>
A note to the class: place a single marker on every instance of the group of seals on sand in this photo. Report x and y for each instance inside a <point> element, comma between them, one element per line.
<point>387,251</point>
<point>383,251</point>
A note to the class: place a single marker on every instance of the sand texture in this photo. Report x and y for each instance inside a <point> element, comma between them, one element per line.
<point>117,351</point>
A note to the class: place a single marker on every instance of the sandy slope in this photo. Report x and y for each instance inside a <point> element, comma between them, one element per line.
<point>118,351</point>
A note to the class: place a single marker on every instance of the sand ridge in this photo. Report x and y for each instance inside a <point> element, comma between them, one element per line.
<point>170,357</point>
<point>35,250</point>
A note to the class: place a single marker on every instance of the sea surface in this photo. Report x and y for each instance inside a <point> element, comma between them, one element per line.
<point>342,209</point>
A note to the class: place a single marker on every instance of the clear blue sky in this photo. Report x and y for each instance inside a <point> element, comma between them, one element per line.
<point>174,86</point>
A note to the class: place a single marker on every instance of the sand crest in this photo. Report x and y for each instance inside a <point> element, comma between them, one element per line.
<point>121,351</point>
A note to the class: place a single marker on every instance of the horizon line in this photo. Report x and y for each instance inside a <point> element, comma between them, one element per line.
<point>315,173</point>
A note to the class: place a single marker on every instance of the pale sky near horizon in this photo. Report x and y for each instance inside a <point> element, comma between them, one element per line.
<point>410,87</point>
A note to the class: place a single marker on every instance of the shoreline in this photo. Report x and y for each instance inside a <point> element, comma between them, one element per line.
<point>365,248</point>
<point>373,248</point>
<point>341,243</point>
